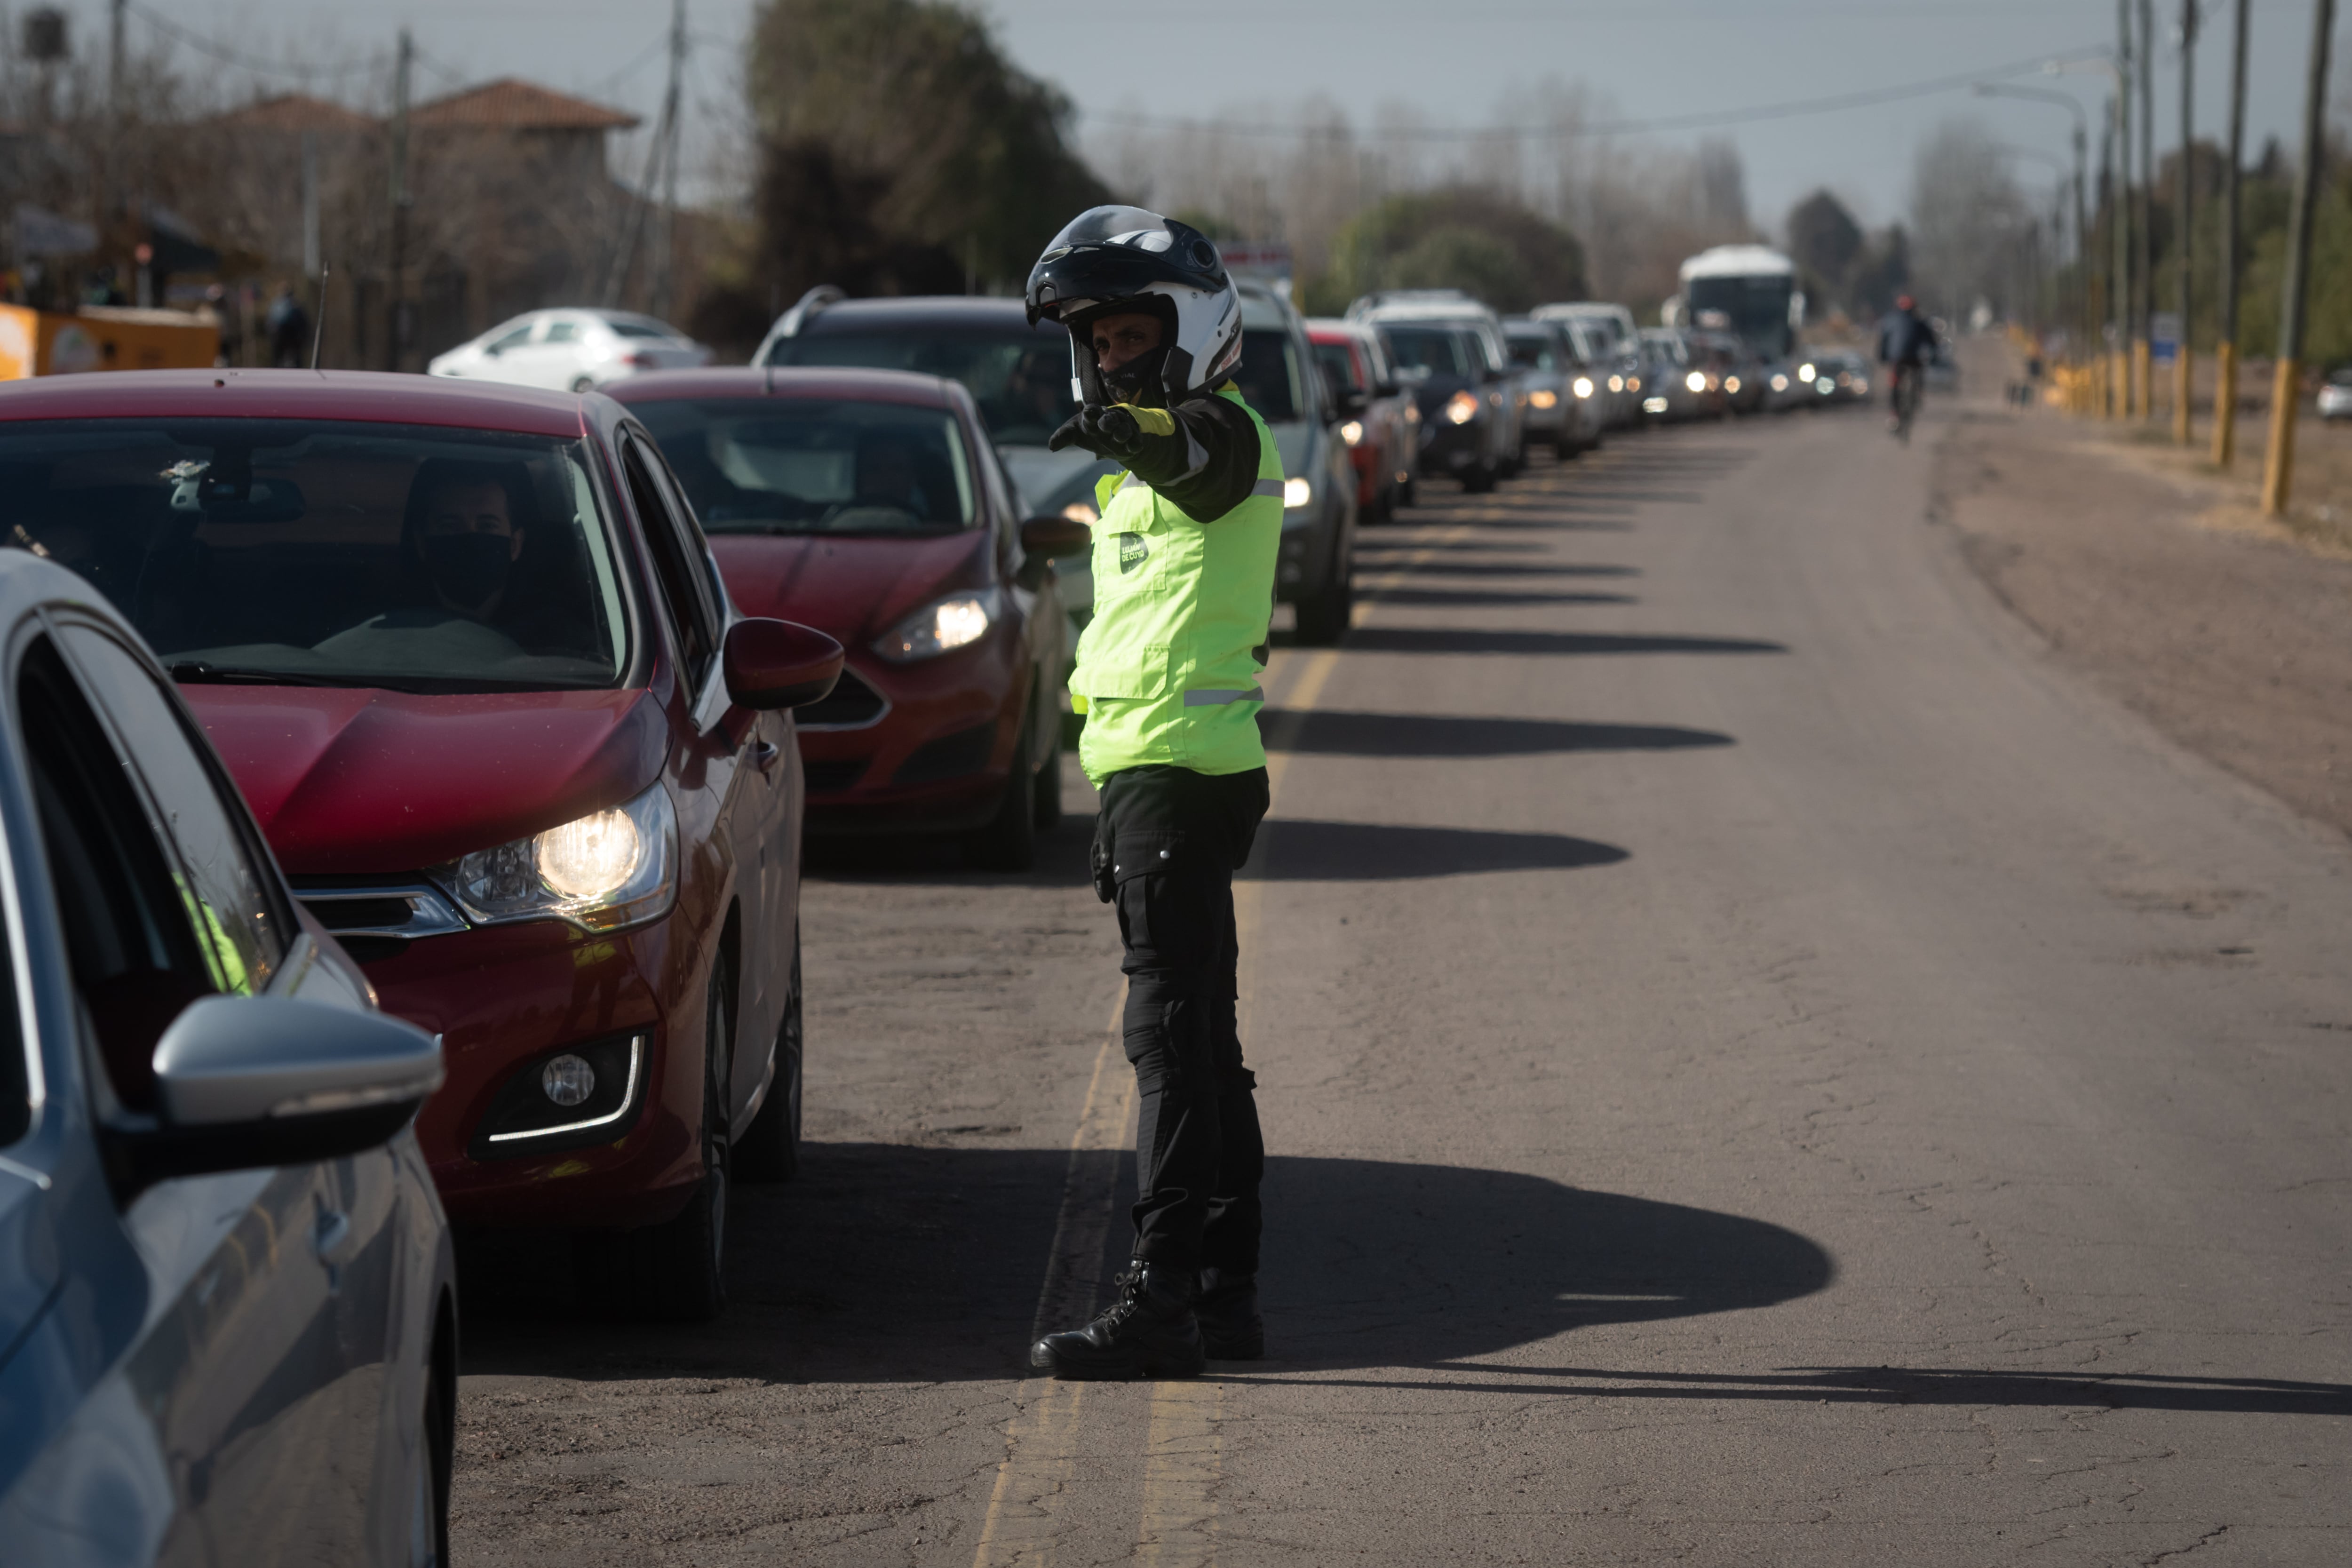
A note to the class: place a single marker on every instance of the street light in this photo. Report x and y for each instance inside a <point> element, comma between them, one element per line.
<point>2072,105</point>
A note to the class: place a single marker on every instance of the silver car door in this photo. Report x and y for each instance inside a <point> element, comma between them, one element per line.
<point>272,1376</point>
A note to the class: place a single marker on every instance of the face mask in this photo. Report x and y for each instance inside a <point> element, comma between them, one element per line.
<point>1137,381</point>
<point>469,567</point>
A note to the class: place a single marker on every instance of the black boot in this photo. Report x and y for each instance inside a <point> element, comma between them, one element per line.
<point>1148,1332</point>
<point>1231,1329</point>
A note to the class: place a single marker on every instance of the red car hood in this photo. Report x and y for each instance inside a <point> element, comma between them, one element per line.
<point>853,589</point>
<point>353,782</point>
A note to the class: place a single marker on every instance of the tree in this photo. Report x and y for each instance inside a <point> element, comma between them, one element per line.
<point>1825,241</point>
<point>1475,240</point>
<point>1966,219</point>
<point>899,148</point>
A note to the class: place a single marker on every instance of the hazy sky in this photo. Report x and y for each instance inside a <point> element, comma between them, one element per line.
<point>1452,60</point>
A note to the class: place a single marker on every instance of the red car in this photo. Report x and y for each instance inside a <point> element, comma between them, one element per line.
<point>1378,419</point>
<point>469,660</point>
<point>870,504</point>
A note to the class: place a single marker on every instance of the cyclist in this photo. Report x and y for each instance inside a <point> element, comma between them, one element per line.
<point>1906,345</point>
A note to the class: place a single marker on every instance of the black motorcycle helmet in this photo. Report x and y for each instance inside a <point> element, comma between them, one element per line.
<point>1117,260</point>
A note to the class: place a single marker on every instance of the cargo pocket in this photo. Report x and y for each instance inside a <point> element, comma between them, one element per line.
<point>1122,674</point>
<point>1163,917</point>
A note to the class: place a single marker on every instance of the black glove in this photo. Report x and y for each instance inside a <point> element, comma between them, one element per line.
<point>1106,432</point>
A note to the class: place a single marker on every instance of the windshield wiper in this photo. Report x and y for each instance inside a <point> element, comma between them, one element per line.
<point>196,672</point>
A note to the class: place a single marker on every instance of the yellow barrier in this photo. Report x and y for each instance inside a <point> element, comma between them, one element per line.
<point>41,342</point>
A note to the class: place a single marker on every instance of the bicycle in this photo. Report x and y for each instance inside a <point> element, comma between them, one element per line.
<point>1903,397</point>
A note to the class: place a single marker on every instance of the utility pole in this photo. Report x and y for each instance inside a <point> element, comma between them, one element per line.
<point>2111,294</point>
<point>2184,227</point>
<point>2146,305</point>
<point>114,60</point>
<point>312,260</point>
<point>2278,466</point>
<point>396,320</point>
<point>2127,310</point>
<point>666,233</point>
<point>2225,329</point>
<point>112,194</point>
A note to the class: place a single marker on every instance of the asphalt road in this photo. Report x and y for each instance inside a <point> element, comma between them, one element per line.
<point>1760,1066</point>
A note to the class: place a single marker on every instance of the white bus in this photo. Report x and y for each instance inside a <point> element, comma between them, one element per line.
<point>1750,289</point>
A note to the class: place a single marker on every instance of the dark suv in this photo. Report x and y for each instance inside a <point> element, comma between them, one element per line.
<point>1449,350</point>
<point>1019,377</point>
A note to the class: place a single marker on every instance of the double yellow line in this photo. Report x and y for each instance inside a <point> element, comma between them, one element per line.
<point>1183,1463</point>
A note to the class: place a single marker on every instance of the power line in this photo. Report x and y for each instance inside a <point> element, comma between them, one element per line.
<point>226,56</point>
<point>1700,120</point>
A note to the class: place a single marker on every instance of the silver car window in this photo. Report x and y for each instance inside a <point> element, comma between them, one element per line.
<point>222,887</point>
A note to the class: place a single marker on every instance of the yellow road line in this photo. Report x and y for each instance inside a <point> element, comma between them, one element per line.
<point>1183,1460</point>
<point>1183,1463</point>
<point>1041,1443</point>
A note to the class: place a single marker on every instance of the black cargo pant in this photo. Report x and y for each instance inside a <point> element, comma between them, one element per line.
<point>1167,845</point>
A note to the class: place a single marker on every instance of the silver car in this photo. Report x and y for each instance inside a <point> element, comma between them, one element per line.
<point>228,1324</point>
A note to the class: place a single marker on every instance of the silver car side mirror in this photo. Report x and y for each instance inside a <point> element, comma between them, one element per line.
<point>245,1082</point>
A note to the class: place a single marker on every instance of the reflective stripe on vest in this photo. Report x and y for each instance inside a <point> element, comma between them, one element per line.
<point>1167,668</point>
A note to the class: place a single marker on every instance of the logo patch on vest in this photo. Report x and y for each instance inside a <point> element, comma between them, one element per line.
<point>1132,552</point>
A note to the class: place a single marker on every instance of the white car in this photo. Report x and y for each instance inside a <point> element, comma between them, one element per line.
<point>2336,395</point>
<point>572,349</point>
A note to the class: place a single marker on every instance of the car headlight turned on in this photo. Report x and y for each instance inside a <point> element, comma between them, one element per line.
<point>1653,406</point>
<point>1805,372</point>
<point>1696,381</point>
<point>1632,383</point>
<point>602,871</point>
<point>1352,432</point>
<point>1462,407</point>
<point>1542,397</point>
<point>939,628</point>
<point>1730,383</point>
<point>1296,492</point>
<point>1581,386</point>
<point>1617,384</point>
<point>1780,384</point>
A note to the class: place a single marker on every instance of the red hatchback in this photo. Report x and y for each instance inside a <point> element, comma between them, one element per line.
<point>870,504</point>
<point>468,657</point>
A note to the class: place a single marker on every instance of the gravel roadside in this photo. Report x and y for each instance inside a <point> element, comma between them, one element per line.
<point>2231,639</point>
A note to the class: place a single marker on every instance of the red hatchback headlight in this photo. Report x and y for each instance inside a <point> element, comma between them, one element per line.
<point>942,626</point>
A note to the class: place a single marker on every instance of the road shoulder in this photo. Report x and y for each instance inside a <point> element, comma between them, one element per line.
<point>2230,643</point>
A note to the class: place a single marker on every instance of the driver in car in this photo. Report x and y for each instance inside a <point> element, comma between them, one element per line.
<point>460,541</point>
<point>886,476</point>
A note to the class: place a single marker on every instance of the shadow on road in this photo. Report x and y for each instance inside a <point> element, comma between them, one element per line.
<point>1476,639</point>
<point>1463,598</point>
<point>1324,732</point>
<point>1297,851</point>
<point>905,857</point>
<point>1975,1386</point>
<point>1495,568</point>
<point>890,1263</point>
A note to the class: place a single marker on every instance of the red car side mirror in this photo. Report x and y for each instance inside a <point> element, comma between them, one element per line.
<point>778,664</point>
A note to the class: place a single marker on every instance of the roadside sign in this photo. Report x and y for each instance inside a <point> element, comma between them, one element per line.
<point>2163,336</point>
<point>40,232</point>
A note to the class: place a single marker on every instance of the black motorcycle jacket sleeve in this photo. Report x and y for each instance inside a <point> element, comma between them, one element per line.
<point>1202,454</point>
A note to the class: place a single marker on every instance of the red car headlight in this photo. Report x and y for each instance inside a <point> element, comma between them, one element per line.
<point>602,871</point>
<point>942,627</point>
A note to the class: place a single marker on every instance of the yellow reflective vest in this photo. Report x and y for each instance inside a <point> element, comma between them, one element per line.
<point>1168,668</point>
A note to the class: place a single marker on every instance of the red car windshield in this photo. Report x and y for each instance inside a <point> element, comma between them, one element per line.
<point>329,553</point>
<point>775,465</point>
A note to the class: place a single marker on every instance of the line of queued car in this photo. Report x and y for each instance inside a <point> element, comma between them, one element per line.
<point>403,806</point>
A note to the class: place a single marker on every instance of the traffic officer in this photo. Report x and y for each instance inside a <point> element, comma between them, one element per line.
<point>1167,676</point>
